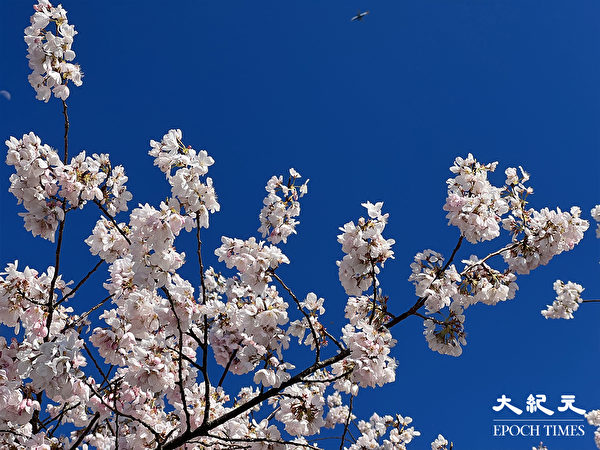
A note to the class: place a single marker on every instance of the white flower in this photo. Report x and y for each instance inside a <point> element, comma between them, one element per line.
<point>49,53</point>
<point>473,204</point>
<point>568,298</point>
<point>281,206</point>
<point>596,216</point>
<point>196,196</point>
<point>446,337</point>
<point>546,234</point>
<point>366,250</point>
<point>252,259</point>
<point>593,417</point>
<point>440,443</point>
<point>437,287</point>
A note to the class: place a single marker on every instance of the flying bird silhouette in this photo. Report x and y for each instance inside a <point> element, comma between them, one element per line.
<point>359,16</point>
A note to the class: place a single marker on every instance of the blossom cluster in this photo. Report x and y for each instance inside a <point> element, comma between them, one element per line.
<point>436,284</point>
<point>301,409</point>
<point>47,186</point>
<point>398,433</point>
<point>23,297</point>
<point>593,418</point>
<point>194,195</point>
<point>16,408</point>
<point>568,299</point>
<point>314,309</point>
<point>448,335</point>
<point>254,260</point>
<point>541,235</point>
<point>277,217</point>
<point>247,329</point>
<point>365,250</point>
<point>35,184</point>
<point>50,53</point>
<point>596,216</point>
<point>473,204</point>
<point>370,362</point>
<point>481,283</point>
<point>440,443</point>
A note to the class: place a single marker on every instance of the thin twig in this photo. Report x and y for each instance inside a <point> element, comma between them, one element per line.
<point>421,301</point>
<point>112,219</point>
<point>267,440</point>
<point>203,429</point>
<point>104,376</point>
<point>374,291</point>
<point>66,116</point>
<point>180,362</point>
<point>85,431</point>
<point>335,341</point>
<point>83,280</point>
<point>88,312</point>
<point>205,347</point>
<point>304,313</point>
<point>497,252</point>
<point>343,441</point>
<point>233,354</point>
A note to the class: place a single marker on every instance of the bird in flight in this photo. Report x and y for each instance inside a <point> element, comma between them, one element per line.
<point>359,16</point>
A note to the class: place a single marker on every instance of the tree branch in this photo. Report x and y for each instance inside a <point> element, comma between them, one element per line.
<point>312,328</point>
<point>203,429</point>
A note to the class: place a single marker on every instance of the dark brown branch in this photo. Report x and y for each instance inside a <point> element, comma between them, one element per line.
<point>83,280</point>
<point>66,116</point>
<point>112,219</point>
<point>335,341</point>
<point>374,291</point>
<point>304,313</point>
<point>180,361</point>
<point>120,413</point>
<point>203,429</point>
<point>421,301</point>
<point>102,374</point>
<point>85,431</point>
<point>58,418</point>
<point>497,252</point>
<point>272,441</point>
<point>50,304</point>
<point>205,347</point>
<point>91,310</point>
<point>327,380</point>
<point>233,354</point>
<point>187,358</point>
<point>343,441</point>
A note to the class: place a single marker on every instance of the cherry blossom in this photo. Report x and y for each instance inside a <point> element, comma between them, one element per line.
<point>546,233</point>
<point>365,248</point>
<point>376,428</point>
<point>432,281</point>
<point>194,195</point>
<point>49,53</point>
<point>473,204</point>
<point>448,335</point>
<point>440,443</point>
<point>596,216</point>
<point>568,298</point>
<point>277,221</point>
<point>137,369</point>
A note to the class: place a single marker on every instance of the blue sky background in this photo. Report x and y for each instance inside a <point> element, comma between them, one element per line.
<point>374,111</point>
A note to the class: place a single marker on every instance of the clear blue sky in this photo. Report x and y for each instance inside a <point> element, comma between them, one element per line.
<point>374,111</point>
